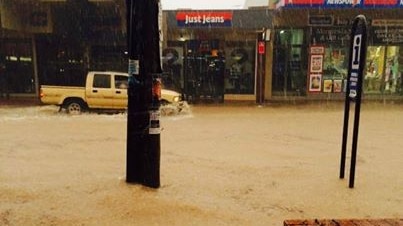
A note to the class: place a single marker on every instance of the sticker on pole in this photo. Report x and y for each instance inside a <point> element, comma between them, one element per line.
<point>134,67</point>
<point>154,127</point>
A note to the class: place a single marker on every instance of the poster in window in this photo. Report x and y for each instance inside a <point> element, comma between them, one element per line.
<point>337,86</point>
<point>316,64</point>
<point>327,85</point>
<point>317,50</point>
<point>315,82</point>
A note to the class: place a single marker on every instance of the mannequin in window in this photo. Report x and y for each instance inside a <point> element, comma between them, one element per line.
<point>239,56</point>
<point>171,68</point>
<point>390,77</point>
<point>370,76</point>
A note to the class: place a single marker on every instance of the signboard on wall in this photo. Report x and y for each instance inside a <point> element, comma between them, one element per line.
<point>335,35</point>
<point>204,19</point>
<point>340,3</point>
<point>320,20</point>
<point>387,31</point>
<point>14,16</point>
<point>390,35</point>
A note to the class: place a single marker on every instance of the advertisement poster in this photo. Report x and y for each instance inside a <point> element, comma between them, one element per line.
<point>337,86</point>
<point>327,85</point>
<point>315,82</point>
<point>317,50</point>
<point>316,64</point>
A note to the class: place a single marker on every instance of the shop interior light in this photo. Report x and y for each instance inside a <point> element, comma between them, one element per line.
<point>282,32</point>
<point>12,58</point>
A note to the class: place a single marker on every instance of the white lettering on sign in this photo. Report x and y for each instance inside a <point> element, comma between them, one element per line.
<point>344,2</point>
<point>353,84</point>
<point>355,64</point>
<point>203,19</point>
<point>192,19</point>
<point>353,79</point>
<point>213,19</point>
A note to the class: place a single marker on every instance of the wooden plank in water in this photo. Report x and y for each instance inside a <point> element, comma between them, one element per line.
<point>344,222</point>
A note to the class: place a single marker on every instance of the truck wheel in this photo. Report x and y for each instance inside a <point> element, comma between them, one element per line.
<point>74,107</point>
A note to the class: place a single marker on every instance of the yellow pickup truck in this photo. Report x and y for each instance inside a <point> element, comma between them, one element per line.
<point>104,90</point>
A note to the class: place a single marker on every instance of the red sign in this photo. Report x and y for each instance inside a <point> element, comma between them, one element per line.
<point>261,47</point>
<point>305,2</point>
<point>204,19</point>
<point>380,2</point>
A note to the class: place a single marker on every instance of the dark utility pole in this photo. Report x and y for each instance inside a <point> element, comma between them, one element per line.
<point>143,129</point>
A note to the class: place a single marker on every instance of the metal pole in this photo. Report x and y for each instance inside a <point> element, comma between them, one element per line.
<point>345,134</point>
<point>359,49</point>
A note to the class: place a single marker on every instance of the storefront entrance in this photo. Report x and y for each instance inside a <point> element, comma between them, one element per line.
<point>289,72</point>
<point>212,57</point>
<point>204,71</point>
<point>207,70</point>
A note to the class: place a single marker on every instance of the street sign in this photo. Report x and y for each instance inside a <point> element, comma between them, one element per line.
<point>358,51</point>
<point>261,47</point>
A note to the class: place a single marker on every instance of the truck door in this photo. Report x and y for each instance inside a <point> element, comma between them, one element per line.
<point>100,93</point>
<point>120,88</point>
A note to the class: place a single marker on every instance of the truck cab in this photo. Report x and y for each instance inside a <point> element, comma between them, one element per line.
<point>107,90</point>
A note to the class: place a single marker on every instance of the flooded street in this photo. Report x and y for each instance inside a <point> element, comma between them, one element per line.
<point>220,165</point>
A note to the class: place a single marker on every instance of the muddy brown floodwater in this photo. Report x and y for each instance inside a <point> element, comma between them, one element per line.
<point>220,165</point>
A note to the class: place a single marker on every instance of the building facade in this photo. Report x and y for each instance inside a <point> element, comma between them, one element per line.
<point>298,50</point>
<point>57,42</point>
<point>314,40</point>
<point>214,55</point>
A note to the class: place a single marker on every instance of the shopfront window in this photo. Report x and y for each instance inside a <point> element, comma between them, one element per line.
<point>111,58</point>
<point>18,71</point>
<point>172,66</point>
<point>383,73</point>
<point>289,71</point>
<point>239,67</point>
<point>209,69</point>
<point>335,66</point>
<point>204,70</point>
<point>62,64</point>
